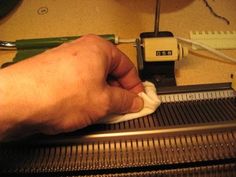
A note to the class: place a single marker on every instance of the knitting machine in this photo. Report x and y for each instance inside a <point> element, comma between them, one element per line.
<point>192,133</point>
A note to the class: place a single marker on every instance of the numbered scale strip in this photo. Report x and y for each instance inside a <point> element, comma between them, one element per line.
<point>197,96</point>
<point>190,130</point>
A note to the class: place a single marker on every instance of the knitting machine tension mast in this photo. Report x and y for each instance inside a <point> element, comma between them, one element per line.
<point>156,54</point>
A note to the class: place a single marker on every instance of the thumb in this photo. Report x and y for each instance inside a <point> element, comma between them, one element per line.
<point>124,101</point>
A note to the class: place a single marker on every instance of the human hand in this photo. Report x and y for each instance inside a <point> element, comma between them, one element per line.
<point>69,87</point>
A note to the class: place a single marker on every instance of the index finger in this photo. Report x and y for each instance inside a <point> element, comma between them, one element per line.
<point>124,71</point>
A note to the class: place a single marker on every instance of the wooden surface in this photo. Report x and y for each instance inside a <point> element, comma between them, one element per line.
<point>127,19</point>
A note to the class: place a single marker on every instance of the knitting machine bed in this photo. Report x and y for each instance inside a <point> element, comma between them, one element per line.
<point>193,131</point>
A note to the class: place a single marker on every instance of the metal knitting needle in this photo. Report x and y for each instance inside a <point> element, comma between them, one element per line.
<point>157,17</point>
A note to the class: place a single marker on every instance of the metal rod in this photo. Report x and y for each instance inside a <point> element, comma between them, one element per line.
<point>214,127</point>
<point>7,44</point>
<point>157,17</point>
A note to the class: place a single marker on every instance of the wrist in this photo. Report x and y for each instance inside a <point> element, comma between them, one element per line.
<point>6,121</point>
<point>13,102</point>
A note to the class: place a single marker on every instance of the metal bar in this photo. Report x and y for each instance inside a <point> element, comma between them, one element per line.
<point>157,17</point>
<point>230,125</point>
<point>194,88</point>
<point>7,44</point>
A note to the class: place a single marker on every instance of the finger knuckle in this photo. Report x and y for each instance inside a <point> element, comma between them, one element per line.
<point>105,104</point>
<point>90,37</point>
<point>101,107</point>
<point>122,103</point>
<point>125,102</point>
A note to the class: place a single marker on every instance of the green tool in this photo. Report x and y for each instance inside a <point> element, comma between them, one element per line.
<point>29,47</point>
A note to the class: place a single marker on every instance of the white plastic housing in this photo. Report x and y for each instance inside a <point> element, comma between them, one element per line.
<point>163,49</point>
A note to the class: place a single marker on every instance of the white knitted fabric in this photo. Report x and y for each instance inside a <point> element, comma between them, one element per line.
<point>151,103</point>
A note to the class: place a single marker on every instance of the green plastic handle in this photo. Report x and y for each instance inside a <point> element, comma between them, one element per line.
<point>53,42</point>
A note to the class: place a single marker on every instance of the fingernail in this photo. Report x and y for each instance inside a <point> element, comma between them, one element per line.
<point>137,104</point>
